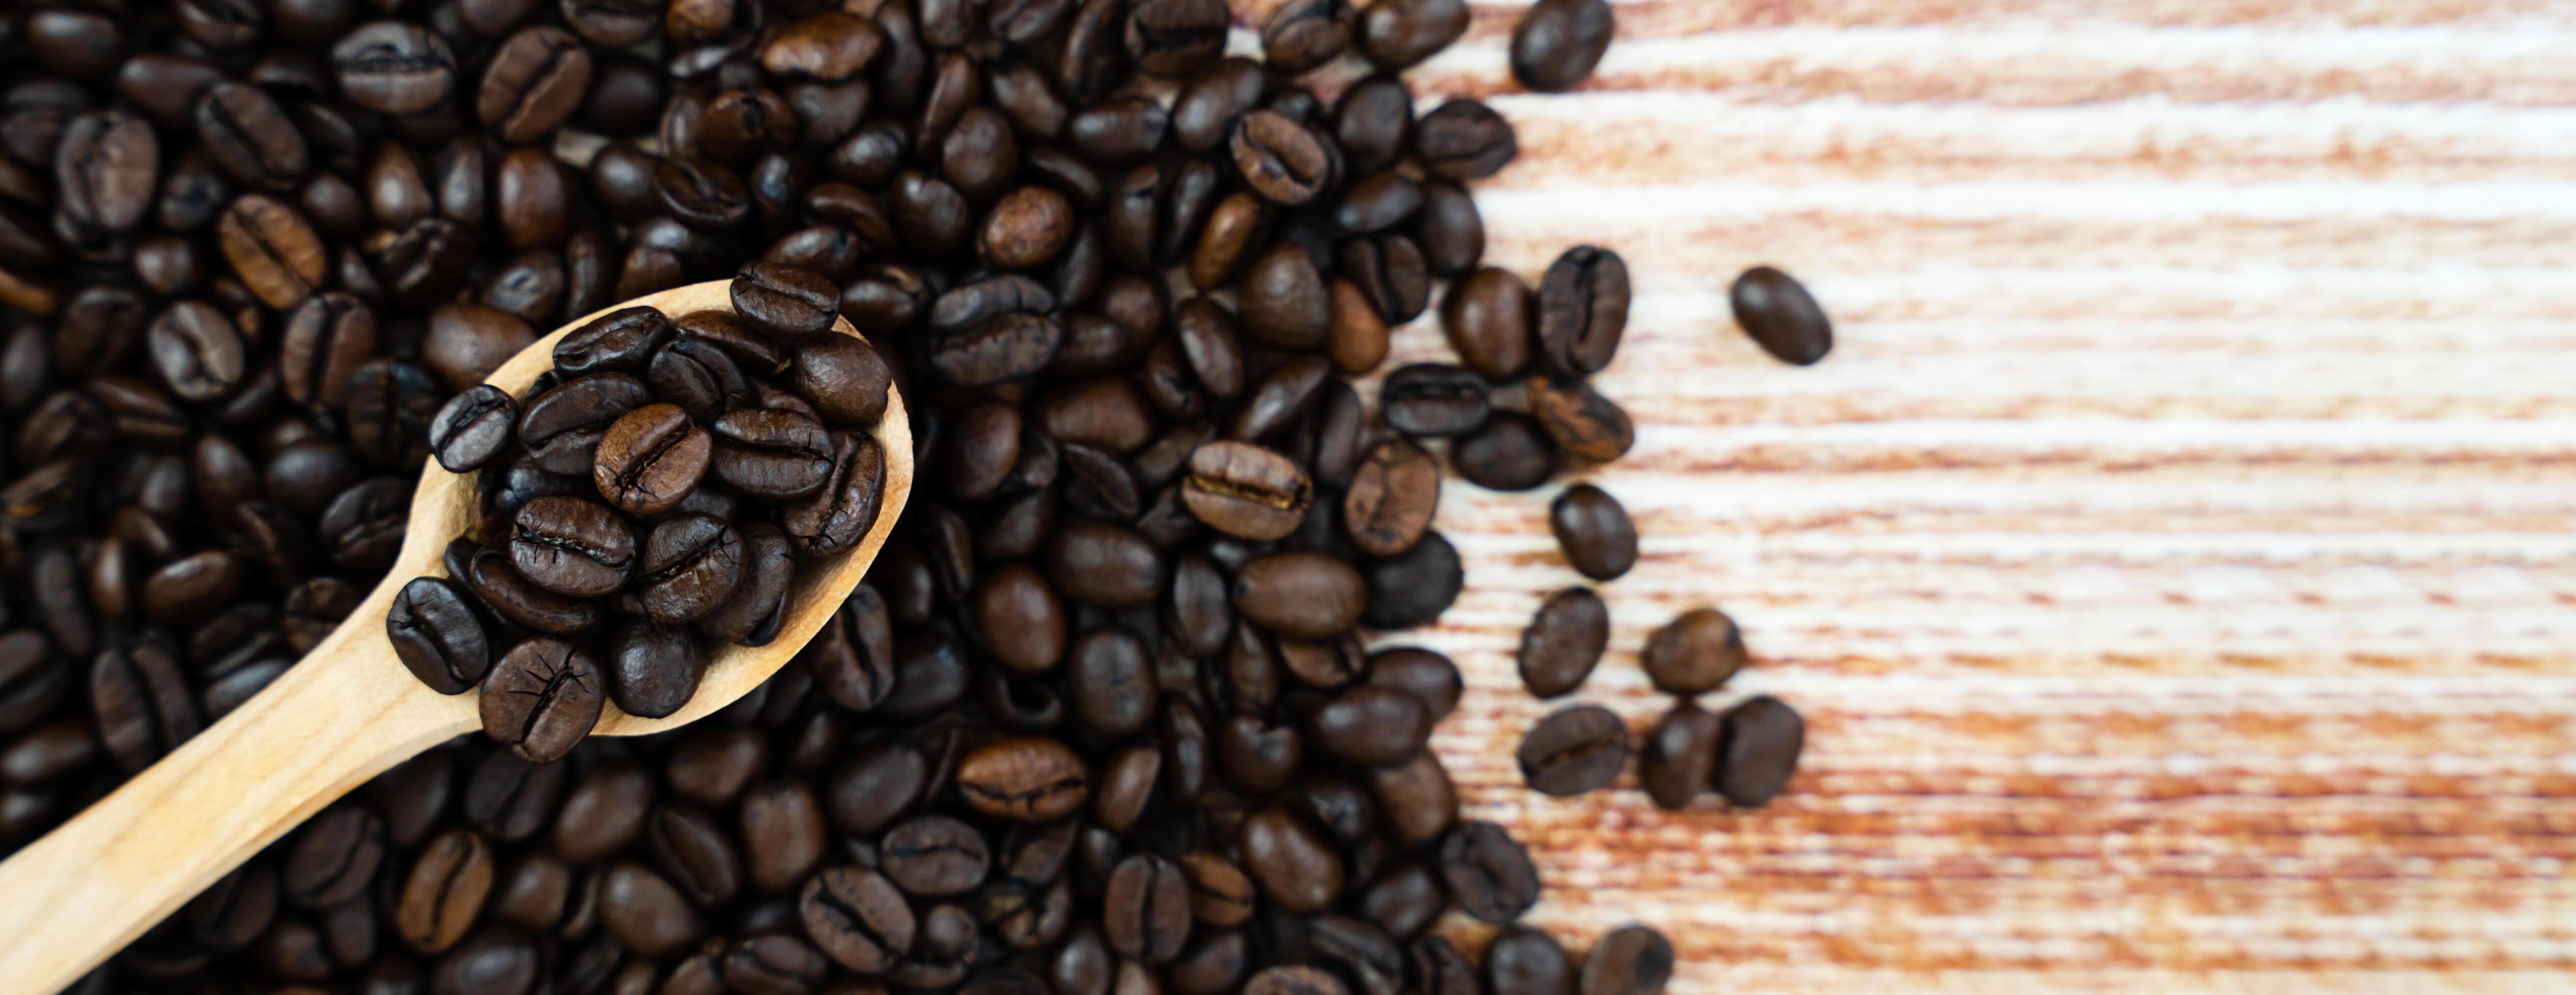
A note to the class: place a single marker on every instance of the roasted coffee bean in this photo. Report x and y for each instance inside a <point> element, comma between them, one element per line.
<point>141,705</point>
<point>1118,132</point>
<point>1302,595</point>
<point>1304,34</point>
<point>759,604</point>
<point>542,698</point>
<point>702,194</point>
<point>1375,725</point>
<point>1695,653</point>
<point>834,518</point>
<point>273,249</point>
<point>646,914</point>
<point>844,379</point>
<point>1392,497</point>
<point>1175,37</point>
<point>621,341</point>
<point>472,428</point>
<point>1556,44</point>
<point>1758,751</point>
<point>1631,960</point>
<point>1574,750</point>
<point>1776,310</point>
<point>650,460</point>
<point>1564,642</point>
<point>1293,863</point>
<point>782,834</point>
<point>934,857</point>
<point>1413,587</point>
<point>1246,491</point>
<point>534,82</point>
<point>1029,779</point>
<point>858,918</point>
<point>563,426</point>
<point>522,603</point>
<point>444,891</point>
<point>1488,872</point>
<point>104,167</point>
<point>1527,961</point>
<point>1584,424</point>
<point>436,633</point>
<point>1295,980</point>
<point>1145,914</point>
<point>773,454</point>
<point>1582,309</point>
<point>572,546</point>
<point>1390,274</point>
<point>691,565</point>
<point>1434,399</point>
<point>1284,161</point>
<point>1679,760</point>
<point>395,68</point>
<point>197,352</point>
<point>1464,140</point>
<point>1510,452</point>
<point>334,857</point>
<point>653,669</point>
<point>1395,34</point>
<point>247,134</point>
<point>1429,677</point>
<point>1593,531</point>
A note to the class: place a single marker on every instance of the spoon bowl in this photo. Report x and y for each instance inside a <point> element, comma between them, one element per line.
<point>345,713</point>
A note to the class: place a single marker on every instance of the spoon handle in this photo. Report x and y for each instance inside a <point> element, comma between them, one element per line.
<point>345,713</point>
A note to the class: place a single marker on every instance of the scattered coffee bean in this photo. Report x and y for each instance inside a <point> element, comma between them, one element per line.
<point>1759,751</point>
<point>1564,642</point>
<point>1593,531</point>
<point>1574,750</point>
<point>1556,43</point>
<point>1781,316</point>
<point>1695,653</point>
<point>1631,960</point>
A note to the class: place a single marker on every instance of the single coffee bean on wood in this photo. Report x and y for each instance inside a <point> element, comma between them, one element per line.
<point>1781,316</point>
<point>1574,750</point>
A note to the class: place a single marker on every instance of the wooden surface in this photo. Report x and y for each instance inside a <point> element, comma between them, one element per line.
<point>2173,560</point>
<point>346,712</point>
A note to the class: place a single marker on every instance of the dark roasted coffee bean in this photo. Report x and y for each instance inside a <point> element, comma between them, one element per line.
<point>1284,161</point>
<point>1510,452</point>
<point>572,546</point>
<point>1556,44</point>
<point>650,460</point>
<point>1434,399</point>
<point>1782,318</point>
<point>1488,872</point>
<point>334,857</point>
<point>1392,497</point>
<point>1632,960</point>
<point>844,379</point>
<point>1593,531</point>
<point>857,918</point>
<point>774,964</point>
<point>1564,642</point>
<point>759,604</point>
<point>1574,750</point>
<point>934,857</point>
<point>1584,424</point>
<point>472,428</point>
<point>1758,751</point>
<point>1582,310</point>
<point>436,633</point>
<point>1486,318</point>
<point>245,131</point>
<point>542,699</point>
<point>198,353</point>
<point>1294,864</point>
<point>1527,961</point>
<point>1414,587</point>
<point>652,669</point>
<point>834,518</point>
<point>563,426</point>
<point>1175,37</point>
<point>517,601</point>
<point>1304,34</point>
<point>141,705</point>
<point>534,82</point>
<point>1425,674</point>
<point>32,679</point>
<point>646,914</point>
<point>104,168</point>
<point>1030,779</point>
<point>1375,725</point>
<point>1395,34</point>
<point>1145,913</point>
<point>272,248</point>
<point>1464,140</point>
<point>395,68</point>
<point>1373,120</point>
<point>691,565</point>
<point>1679,760</point>
<point>1695,653</point>
<point>1301,595</point>
<point>621,341</point>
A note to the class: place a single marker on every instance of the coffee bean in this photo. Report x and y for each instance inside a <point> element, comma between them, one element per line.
<point>1145,913</point>
<point>1371,724</point>
<point>472,428</point>
<point>1695,653</point>
<point>645,914</point>
<point>1527,961</point>
<point>1631,960</point>
<point>621,341</point>
<point>1030,779</point>
<point>1291,861</point>
<point>1302,595</point>
<point>1304,34</point>
<point>272,248</point>
<point>1758,751</point>
<point>1582,309</point>
<point>1413,587</point>
<point>1486,318</point>
<point>436,633</point>
<point>934,857</point>
<point>444,892</point>
<point>1246,491</point>
<point>1584,424</point>
<point>1556,43</point>
<point>1679,760</point>
<point>1434,399</point>
<point>247,134</point>
<point>834,518</point>
<point>651,459</point>
<point>334,857</point>
<point>1510,452</point>
<point>395,68</point>
<point>534,82</point>
<point>844,378</point>
<point>542,698</point>
<point>1564,642</point>
<point>857,918</point>
<point>1395,34</point>
<point>1488,872</point>
<point>1776,310</point>
<point>563,426</point>
<point>104,165</point>
<point>1594,532</point>
<point>702,194</point>
<point>1574,750</point>
<point>1282,160</point>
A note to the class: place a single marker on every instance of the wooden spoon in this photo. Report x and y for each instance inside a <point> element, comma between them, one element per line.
<point>344,714</point>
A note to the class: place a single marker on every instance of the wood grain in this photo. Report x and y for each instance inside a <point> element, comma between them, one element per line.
<point>2174,558</point>
<point>346,712</point>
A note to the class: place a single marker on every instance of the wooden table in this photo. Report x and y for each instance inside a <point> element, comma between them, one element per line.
<point>2174,558</point>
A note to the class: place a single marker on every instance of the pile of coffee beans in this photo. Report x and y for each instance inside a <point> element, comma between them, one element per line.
<point>669,477</point>
<point>1101,721</point>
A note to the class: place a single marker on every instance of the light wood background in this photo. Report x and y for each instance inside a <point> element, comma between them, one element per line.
<point>2173,560</point>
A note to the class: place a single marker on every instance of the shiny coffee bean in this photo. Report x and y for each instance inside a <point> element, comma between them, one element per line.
<point>1758,751</point>
<point>1563,642</point>
<point>1695,653</point>
<point>1781,316</point>
<point>438,636</point>
<point>1593,531</point>
<point>651,459</point>
<point>542,698</point>
<point>1510,452</point>
<point>1679,759</point>
<point>1573,751</point>
<point>1488,872</point>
